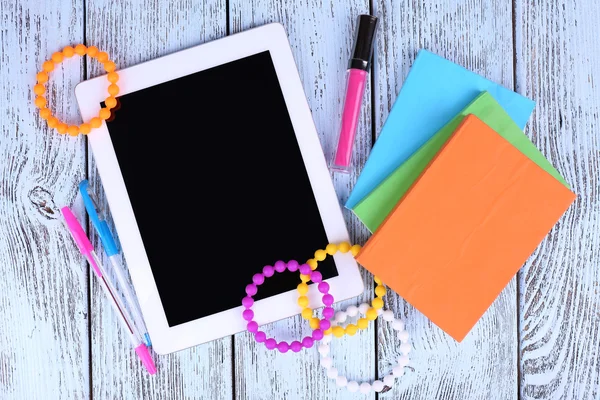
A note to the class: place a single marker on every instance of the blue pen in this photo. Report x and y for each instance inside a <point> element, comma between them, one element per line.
<point>110,247</point>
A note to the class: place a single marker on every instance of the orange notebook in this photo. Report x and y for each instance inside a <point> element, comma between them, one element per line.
<point>465,227</point>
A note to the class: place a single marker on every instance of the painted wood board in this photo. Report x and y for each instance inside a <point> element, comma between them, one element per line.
<point>133,32</point>
<point>557,65</point>
<point>43,317</point>
<point>43,288</point>
<point>478,35</point>
<point>321,36</point>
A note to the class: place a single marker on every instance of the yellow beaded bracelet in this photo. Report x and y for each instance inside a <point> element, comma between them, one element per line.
<point>42,77</point>
<point>307,313</point>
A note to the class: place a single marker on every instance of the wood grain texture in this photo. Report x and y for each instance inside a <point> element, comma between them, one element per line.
<point>44,350</point>
<point>557,66</point>
<point>133,32</point>
<point>320,33</point>
<point>476,34</point>
<point>46,333</point>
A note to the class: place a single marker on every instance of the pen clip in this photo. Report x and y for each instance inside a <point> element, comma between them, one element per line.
<point>98,220</point>
<point>76,230</point>
<point>80,238</point>
<point>90,198</point>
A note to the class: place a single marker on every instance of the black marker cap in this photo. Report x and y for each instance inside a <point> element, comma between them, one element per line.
<point>363,42</point>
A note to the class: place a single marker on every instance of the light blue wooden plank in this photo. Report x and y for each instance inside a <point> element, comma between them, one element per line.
<point>321,34</point>
<point>558,66</point>
<point>133,32</point>
<point>44,352</point>
<point>478,35</point>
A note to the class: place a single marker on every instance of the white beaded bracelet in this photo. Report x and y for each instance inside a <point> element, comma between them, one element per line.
<point>366,387</point>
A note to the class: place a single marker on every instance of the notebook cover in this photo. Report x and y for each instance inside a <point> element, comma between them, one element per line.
<point>373,209</point>
<point>465,227</point>
<point>434,91</point>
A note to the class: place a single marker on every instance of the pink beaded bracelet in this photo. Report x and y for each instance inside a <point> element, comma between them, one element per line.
<point>252,289</point>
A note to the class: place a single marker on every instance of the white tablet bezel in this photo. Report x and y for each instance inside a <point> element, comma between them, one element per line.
<point>90,93</point>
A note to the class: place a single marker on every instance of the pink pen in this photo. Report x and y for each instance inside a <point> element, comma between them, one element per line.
<point>355,89</point>
<point>86,248</point>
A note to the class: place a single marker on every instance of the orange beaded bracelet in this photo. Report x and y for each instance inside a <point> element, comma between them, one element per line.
<point>110,102</point>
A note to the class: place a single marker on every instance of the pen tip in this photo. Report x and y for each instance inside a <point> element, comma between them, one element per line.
<point>144,354</point>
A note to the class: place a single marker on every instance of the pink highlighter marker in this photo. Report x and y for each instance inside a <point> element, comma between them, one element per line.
<point>357,79</point>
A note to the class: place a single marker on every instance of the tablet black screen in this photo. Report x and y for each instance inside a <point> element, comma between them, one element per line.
<point>218,185</point>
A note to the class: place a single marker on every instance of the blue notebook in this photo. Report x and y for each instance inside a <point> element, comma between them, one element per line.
<point>434,91</point>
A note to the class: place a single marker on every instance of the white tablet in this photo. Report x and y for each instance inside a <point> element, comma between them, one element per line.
<point>212,168</point>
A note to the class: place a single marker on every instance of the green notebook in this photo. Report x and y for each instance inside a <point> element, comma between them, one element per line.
<point>375,207</point>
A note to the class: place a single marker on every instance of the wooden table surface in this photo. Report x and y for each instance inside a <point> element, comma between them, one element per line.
<point>59,338</point>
